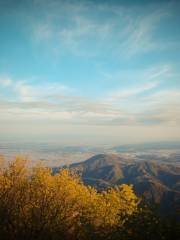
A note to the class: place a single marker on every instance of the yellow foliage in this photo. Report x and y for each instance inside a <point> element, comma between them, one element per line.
<point>35,203</point>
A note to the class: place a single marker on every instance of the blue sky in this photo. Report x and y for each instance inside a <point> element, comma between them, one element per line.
<point>87,71</point>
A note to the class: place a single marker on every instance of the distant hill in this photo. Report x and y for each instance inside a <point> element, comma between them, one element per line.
<point>158,183</point>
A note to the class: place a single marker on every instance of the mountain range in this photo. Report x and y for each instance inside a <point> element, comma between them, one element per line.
<point>153,181</point>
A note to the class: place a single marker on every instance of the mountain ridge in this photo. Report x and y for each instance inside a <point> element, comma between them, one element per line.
<point>157,182</point>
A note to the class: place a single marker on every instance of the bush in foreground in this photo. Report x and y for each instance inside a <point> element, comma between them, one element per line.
<point>36,205</point>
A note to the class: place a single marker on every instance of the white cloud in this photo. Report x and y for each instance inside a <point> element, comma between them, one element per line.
<point>133,91</point>
<point>26,91</point>
<point>163,96</point>
<point>122,107</point>
<point>5,82</point>
<point>144,104</point>
<point>156,73</point>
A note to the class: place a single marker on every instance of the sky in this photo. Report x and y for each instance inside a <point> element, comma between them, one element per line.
<point>89,72</point>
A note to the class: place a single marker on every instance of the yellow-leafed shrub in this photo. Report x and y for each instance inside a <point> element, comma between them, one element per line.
<point>35,204</point>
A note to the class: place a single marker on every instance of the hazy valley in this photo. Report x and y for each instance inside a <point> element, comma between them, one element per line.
<point>55,154</point>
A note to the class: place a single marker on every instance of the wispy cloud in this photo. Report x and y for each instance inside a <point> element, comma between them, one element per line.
<point>42,32</point>
<point>25,91</point>
<point>144,102</point>
<point>158,72</point>
<point>163,96</point>
<point>5,82</point>
<point>83,110</point>
<point>112,28</point>
<point>133,91</point>
<point>82,34</point>
<point>140,38</point>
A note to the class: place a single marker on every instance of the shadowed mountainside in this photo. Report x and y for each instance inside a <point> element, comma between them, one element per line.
<point>156,182</point>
